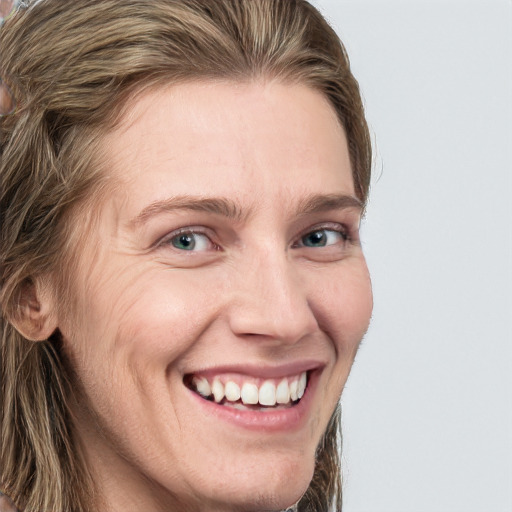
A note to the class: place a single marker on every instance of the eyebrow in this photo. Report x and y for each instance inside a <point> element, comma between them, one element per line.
<point>230,209</point>
<point>318,203</point>
<point>216,205</point>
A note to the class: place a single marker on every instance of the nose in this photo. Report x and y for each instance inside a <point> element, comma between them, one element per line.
<point>270,300</point>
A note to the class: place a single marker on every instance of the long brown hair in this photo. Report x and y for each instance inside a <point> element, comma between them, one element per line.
<point>71,67</point>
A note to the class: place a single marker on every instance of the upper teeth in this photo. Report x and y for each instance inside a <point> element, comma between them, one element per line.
<point>269,392</point>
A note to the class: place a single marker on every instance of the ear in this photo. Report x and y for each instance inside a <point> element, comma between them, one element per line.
<point>35,318</point>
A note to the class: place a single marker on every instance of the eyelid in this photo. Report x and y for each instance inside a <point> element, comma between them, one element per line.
<point>165,241</point>
<point>343,229</point>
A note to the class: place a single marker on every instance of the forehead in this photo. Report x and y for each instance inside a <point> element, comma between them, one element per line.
<point>225,138</point>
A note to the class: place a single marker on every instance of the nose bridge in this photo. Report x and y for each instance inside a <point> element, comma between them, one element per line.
<point>271,300</point>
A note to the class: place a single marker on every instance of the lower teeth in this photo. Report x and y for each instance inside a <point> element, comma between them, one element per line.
<point>242,407</point>
<point>250,407</point>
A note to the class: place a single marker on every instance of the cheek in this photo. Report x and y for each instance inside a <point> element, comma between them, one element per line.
<point>129,327</point>
<point>149,317</point>
<point>344,305</point>
<point>357,302</point>
<point>134,330</point>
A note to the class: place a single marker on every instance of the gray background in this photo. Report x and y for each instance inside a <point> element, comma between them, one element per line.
<point>428,406</point>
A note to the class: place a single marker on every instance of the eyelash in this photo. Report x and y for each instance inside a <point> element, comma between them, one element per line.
<point>338,229</point>
<point>168,240</point>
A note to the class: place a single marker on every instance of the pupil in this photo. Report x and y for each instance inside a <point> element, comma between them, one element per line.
<point>185,242</point>
<point>316,238</point>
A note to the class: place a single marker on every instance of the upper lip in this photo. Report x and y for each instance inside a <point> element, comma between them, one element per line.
<point>264,371</point>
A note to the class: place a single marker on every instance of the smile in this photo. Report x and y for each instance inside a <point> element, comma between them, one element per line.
<point>248,393</point>
<point>264,399</point>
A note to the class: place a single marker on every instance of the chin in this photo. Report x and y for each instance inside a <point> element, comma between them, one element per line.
<point>266,499</point>
<point>262,488</point>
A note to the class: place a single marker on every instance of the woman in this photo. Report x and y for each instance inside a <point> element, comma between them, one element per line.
<point>183,287</point>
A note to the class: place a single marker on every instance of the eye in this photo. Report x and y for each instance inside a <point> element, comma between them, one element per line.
<point>191,241</point>
<point>323,238</point>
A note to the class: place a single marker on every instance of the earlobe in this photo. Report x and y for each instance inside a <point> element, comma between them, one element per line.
<point>35,317</point>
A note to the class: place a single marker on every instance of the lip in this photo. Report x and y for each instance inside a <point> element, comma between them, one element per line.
<point>280,420</point>
<point>261,371</point>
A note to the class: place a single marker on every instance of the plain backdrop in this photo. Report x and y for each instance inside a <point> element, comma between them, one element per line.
<point>428,406</point>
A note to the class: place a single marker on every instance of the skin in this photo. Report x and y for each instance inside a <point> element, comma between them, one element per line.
<point>252,292</point>
<point>6,505</point>
<point>6,101</point>
<point>6,6</point>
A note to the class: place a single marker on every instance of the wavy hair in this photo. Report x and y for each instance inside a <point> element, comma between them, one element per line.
<point>71,67</point>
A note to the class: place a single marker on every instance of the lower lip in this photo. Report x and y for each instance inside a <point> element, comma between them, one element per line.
<point>263,421</point>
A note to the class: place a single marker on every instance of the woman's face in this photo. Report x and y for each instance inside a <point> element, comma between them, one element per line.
<point>226,261</point>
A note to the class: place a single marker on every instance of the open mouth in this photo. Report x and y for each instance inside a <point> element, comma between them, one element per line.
<point>246,393</point>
